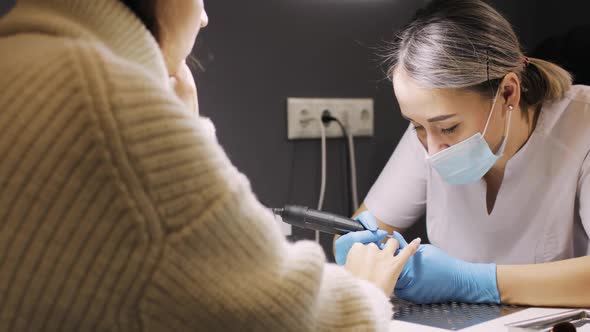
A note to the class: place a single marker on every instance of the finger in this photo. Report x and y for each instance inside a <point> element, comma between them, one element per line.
<point>354,255</point>
<point>409,250</point>
<point>366,237</point>
<point>391,246</point>
<point>355,249</point>
<point>373,247</point>
<point>367,220</point>
<point>402,242</point>
<point>173,81</point>
<point>343,245</point>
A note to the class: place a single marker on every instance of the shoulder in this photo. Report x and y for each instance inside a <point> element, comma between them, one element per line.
<point>566,123</point>
<point>573,110</point>
<point>83,64</point>
<point>31,54</point>
<point>580,94</point>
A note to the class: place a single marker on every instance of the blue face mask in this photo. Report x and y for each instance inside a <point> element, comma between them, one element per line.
<point>468,161</point>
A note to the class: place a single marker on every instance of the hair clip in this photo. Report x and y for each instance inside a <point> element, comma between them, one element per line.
<point>526,61</point>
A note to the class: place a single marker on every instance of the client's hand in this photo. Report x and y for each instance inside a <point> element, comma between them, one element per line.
<point>377,266</point>
<point>183,84</point>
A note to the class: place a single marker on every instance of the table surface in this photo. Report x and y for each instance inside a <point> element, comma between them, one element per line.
<point>461,317</point>
<point>450,316</point>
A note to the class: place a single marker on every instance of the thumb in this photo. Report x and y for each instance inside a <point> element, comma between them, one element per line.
<point>406,253</point>
<point>402,242</point>
<point>368,220</point>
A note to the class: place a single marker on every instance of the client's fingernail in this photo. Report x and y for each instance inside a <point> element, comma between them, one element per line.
<point>417,240</point>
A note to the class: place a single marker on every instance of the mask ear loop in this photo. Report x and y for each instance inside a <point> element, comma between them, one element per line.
<point>506,129</point>
<point>485,129</point>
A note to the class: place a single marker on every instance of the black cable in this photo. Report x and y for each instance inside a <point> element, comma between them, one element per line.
<point>327,118</point>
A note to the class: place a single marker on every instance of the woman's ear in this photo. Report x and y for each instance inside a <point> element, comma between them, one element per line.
<point>510,92</point>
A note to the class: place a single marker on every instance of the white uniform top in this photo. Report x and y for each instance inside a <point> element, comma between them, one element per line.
<point>542,211</point>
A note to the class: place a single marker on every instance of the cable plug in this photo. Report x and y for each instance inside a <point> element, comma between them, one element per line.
<point>327,117</point>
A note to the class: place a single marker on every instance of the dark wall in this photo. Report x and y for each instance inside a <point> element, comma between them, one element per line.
<point>255,54</point>
<point>6,5</point>
<point>558,31</point>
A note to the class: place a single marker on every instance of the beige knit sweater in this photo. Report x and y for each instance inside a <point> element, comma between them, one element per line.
<point>119,211</point>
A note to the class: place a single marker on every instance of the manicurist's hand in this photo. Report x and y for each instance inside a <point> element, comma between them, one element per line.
<point>433,276</point>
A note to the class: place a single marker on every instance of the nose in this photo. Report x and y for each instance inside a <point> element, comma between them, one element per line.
<point>434,145</point>
<point>204,19</point>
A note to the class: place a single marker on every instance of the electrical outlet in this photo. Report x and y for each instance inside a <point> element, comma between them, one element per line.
<point>304,116</point>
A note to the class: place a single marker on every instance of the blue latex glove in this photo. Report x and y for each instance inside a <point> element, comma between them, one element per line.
<point>371,234</point>
<point>432,276</point>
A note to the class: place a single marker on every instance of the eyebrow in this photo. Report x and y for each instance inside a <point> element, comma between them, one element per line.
<point>435,119</point>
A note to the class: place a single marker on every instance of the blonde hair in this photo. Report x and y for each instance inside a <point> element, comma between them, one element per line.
<point>468,44</point>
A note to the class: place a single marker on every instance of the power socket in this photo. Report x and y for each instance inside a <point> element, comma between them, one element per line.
<point>355,113</point>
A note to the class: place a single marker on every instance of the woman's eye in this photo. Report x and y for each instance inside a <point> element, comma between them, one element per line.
<point>417,128</point>
<point>448,131</point>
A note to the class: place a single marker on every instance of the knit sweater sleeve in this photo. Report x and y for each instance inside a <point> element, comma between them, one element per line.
<point>223,263</point>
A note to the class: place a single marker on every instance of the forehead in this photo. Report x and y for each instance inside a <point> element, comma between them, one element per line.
<point>420,103</point>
